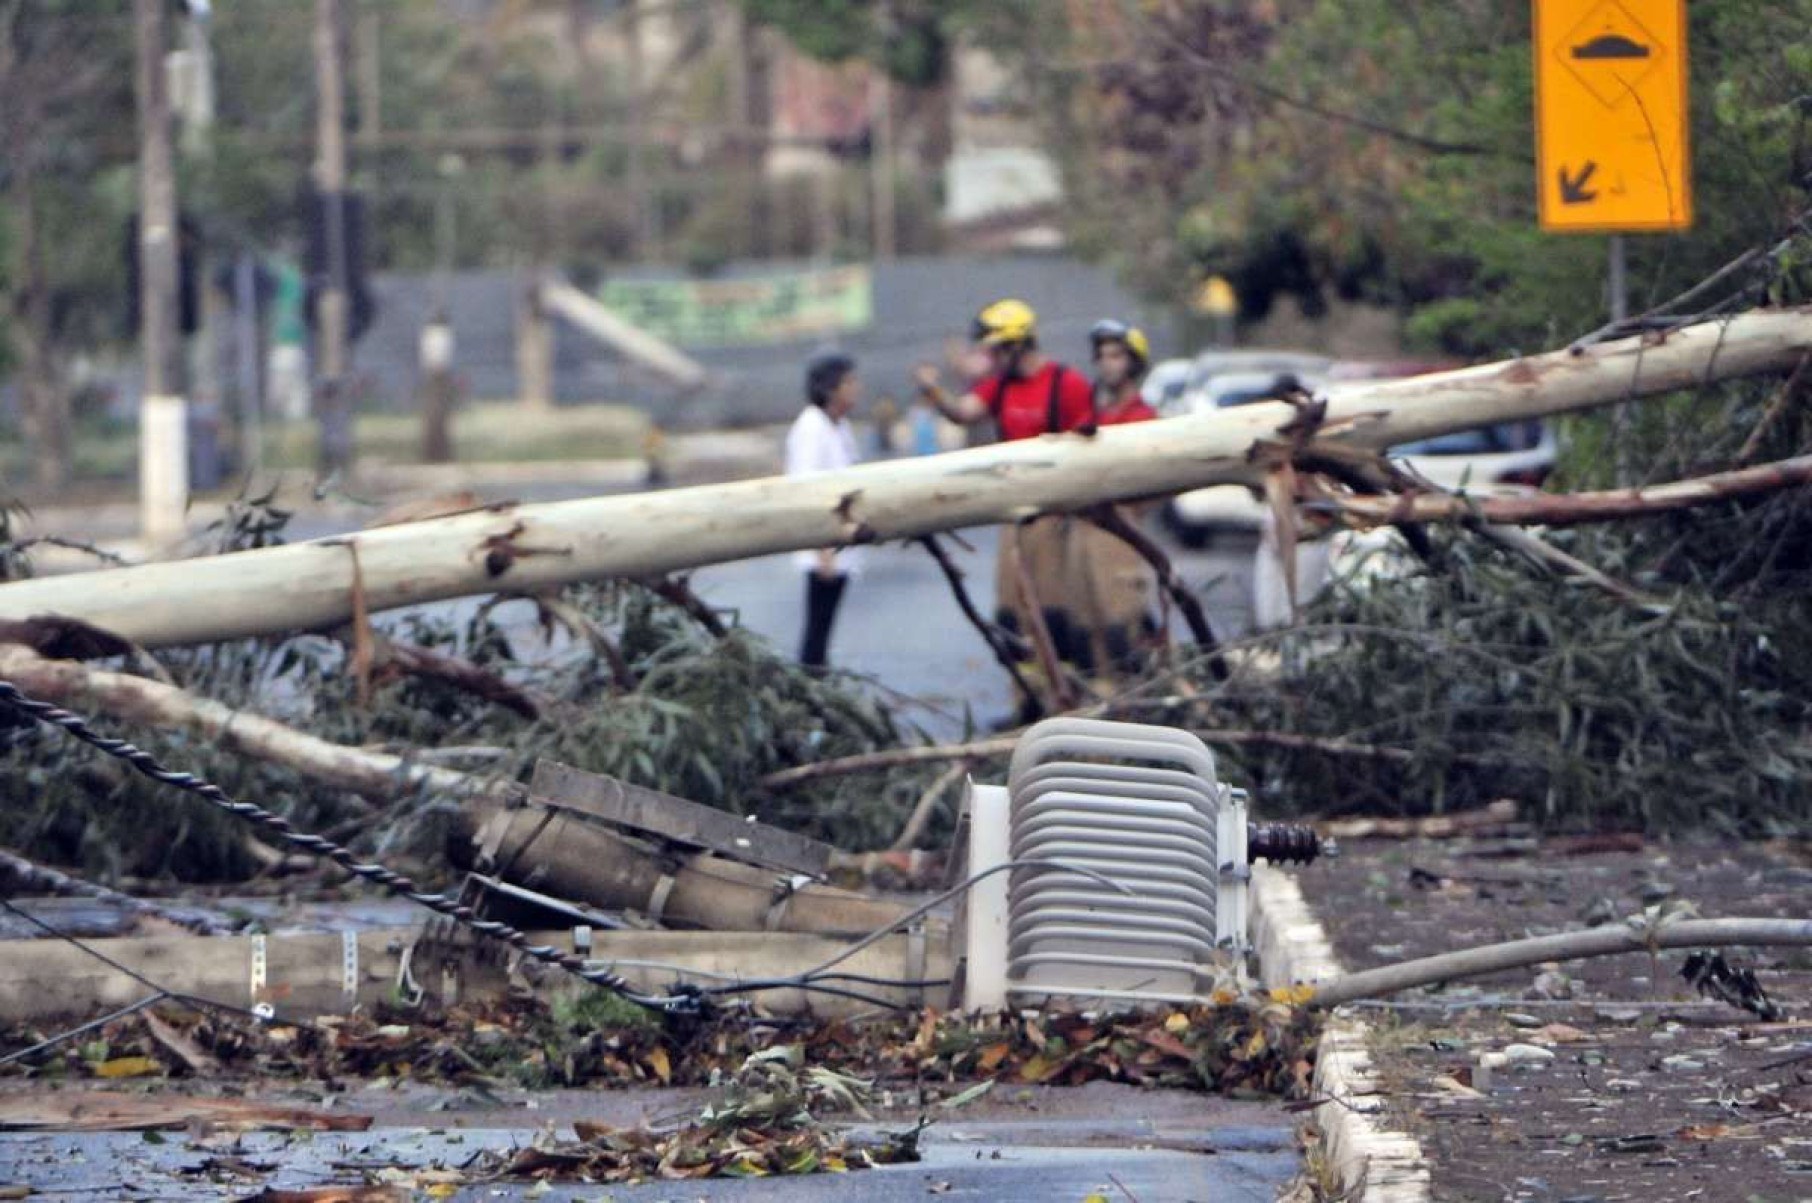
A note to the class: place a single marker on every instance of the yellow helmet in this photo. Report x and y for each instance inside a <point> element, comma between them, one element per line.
<point>1128,336</point>
<point>1003,323</point>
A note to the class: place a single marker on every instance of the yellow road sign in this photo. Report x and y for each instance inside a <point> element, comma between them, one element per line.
<point>1610,109</point>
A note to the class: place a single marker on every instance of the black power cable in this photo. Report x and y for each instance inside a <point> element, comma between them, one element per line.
<point>685,1000</point>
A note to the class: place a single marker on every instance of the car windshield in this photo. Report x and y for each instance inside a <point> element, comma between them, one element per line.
<point>1489,440</point>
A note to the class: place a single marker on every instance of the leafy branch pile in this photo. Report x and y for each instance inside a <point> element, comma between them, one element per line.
<point>701,716</point>
<point>1257,1044</point>
<point>766,1122</point>
<point>1480,676</point>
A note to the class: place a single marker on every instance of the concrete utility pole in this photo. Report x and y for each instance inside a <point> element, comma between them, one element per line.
<point>332,406</point>
<point>163,452</point>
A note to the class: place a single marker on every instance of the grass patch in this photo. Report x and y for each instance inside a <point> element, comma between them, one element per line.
<point>486,433</point>
<point>490,432</point>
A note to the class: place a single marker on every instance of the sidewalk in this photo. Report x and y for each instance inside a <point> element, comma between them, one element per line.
<point>375,488</point>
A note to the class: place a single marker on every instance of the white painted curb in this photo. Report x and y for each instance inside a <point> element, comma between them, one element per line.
<point>1371,1163</point>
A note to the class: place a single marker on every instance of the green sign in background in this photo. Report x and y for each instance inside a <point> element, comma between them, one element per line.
<point>747,312</point>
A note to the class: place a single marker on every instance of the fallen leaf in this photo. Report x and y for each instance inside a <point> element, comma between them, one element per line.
<point>992,1056</point>
<point>1164,1042</point>
<point>1449,1085</point>
<point>128,1067</point>
<point>1558,1033</point>
<point>1705,1132</point>
<point>968,1096</point>
<point>180,1046</point>
<point>658,1061</point>
<point>331,1194</point>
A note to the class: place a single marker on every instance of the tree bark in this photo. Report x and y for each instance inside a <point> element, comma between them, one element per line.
<point>308,586</point>
<point>1569,509</point>
<point>377,776</point>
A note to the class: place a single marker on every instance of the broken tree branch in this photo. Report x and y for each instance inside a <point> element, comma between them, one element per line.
<point>981,749</point>
<point>1568,509</point>
<point>394,657</point>
<point>1111,520</point>
<point>1778,405</point>
<point>1063,694</point>
<point>676,590</point>
<point>377,776</point>
<point>921,814</point>
<point>558,609</point>
<point>1008,648</point>
<point>307,586</point>
<point>1563,946</point>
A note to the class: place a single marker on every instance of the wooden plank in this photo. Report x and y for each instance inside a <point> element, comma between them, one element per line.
<point>670,818</point>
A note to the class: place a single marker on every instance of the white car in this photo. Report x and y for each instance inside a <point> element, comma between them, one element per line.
<point>1195,517</point>
<point>1164,384</point>
<point>1210,366</point>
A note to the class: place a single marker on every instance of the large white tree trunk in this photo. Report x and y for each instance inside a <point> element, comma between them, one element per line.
<point>520,548</point>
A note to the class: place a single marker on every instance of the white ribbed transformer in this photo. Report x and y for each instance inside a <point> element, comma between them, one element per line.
<point>1131,868</point>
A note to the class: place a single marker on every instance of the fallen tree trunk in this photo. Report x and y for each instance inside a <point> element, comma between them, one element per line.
<point>309,586</point>
<point>1568,509</point>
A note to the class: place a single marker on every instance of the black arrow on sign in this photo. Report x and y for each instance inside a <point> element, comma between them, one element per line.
<point>1573,190</point>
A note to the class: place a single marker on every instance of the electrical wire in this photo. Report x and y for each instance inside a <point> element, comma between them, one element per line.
<point>684,999</point>
<point>818,973</point>
<point>315,845</point>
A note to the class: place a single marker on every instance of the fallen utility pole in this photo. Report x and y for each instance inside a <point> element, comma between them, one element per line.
<point>308,975</point>
<point>566,856</point>
<point>308,586</point>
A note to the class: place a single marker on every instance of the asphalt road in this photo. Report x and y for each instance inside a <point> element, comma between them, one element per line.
<point>900,625</point>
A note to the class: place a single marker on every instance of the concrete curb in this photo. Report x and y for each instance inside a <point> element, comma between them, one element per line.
<point>1370,1163</point>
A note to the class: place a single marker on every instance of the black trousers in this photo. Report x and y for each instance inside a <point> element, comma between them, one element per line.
<point>821,598</point>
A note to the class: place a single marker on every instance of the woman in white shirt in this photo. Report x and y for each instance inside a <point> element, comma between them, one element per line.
<point>821,440</point>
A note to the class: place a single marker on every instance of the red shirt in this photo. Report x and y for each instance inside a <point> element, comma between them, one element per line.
<point>1133,409</point>
<point>1024,411</point>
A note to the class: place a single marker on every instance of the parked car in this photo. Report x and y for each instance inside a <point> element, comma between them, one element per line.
<point>1209,365</point>
<point>1197,516</point>
<point>1164,384</point>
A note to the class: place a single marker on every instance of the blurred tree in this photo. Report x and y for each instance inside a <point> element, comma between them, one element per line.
<point>65,79</point>
<point>1375,150</point>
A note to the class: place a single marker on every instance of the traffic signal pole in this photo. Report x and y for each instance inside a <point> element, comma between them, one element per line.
<point>163,455</point>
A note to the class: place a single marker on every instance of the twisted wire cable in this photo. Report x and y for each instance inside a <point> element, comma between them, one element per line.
<point>318,846</point>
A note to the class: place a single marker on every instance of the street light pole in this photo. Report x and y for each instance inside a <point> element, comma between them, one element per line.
<point>163,453</point>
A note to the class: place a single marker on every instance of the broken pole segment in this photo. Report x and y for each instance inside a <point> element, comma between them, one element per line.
<point>649,812</point>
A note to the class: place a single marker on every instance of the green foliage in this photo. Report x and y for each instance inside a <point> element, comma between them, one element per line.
<point>1499,680</point>
<point>1372,150</point>
<point>708,719</point>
